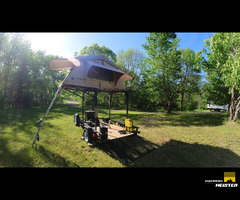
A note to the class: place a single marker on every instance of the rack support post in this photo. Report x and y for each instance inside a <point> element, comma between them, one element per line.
<point>126,93</point>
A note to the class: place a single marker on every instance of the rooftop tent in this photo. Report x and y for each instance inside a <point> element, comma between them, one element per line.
<point>91,73</point>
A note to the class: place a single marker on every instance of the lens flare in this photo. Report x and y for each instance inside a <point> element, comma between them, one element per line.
<point>75,61</point>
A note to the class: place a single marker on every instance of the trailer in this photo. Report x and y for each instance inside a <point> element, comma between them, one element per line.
<point>216,108</point>
<point>101,129</point>
<point>91,75</point>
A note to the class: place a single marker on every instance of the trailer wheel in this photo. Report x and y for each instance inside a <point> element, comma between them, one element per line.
<point>87,135</point>
<point>76,120</point>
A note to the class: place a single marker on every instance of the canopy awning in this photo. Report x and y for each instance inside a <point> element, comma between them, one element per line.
<point>61,64</point>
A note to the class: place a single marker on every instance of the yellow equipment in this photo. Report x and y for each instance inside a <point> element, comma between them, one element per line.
<point>129,125</point>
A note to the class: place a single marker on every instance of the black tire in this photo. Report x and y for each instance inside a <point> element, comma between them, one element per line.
<point>87,135</point>
<point>76,120</point>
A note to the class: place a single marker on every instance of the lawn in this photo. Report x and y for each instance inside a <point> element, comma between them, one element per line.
<point>182,140</point>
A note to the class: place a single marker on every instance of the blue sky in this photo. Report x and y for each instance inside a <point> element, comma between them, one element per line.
<point>65,44</point>
<point>193,41</point>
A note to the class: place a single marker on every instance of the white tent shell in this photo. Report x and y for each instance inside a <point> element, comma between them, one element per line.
<point>91,73</point>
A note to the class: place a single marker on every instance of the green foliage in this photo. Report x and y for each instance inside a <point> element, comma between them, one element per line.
<point>24,76</point>
<point>190,76</point>
<point>163,68</point>
<point>130,61</point>
<point>216,91</point>
<point>223,68</point>
<point>95,49</point>
<point>224,58</point>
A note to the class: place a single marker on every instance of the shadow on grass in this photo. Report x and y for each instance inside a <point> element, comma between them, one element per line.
<point>53,159</point>
<point>180,154</point>
<point>22,158</point>
<point>127,149</point>
<point>135,151</point>
<point>22,120</point>
<point>9,158</point>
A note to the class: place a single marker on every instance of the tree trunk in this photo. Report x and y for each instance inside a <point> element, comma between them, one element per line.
<point>235,106</point>
<point>182,97</point>
<point>232,109</point>
<point>234,119</point>
<point>169,107</point>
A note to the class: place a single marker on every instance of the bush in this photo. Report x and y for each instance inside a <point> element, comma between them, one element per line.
<point>193,105</point>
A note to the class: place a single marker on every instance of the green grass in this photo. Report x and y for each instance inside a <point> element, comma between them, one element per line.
<point>182,140</point>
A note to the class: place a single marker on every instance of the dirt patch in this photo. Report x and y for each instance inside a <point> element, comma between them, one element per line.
<point>72,103</point>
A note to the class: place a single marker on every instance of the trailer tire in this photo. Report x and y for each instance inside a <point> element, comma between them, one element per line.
<point>87,135</point>
<point>76,120</point>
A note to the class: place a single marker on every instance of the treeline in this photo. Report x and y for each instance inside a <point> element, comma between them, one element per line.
<point>165,77</point>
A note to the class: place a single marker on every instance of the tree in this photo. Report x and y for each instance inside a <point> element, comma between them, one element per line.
<point>216,92</point>
<point>130,61</point>
<point>223,52</point>
<point>95,49</point>
<point>44,81</point>
<point>15,77</point>
<point>164,69</point>
<point>24,76</point>
<point>190,74</point>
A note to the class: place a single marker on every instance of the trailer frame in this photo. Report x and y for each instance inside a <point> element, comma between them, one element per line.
<point>92,128</point>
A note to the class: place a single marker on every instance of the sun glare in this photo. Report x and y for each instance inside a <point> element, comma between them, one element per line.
<point>52,43</point>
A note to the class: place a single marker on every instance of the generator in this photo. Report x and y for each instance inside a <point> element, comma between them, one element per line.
<point>90,117</point>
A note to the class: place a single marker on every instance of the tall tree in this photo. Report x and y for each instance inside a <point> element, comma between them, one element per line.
<point>223,52</point>
<point>190,73</point>
<point>14,70</point>
<point>164,69</point>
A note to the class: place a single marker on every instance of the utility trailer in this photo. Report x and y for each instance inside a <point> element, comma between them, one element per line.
<point>101,129</point>
<point>91,75</point>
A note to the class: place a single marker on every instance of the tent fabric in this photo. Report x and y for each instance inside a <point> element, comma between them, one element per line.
<point>80,77</point>
<point>68,63</point>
